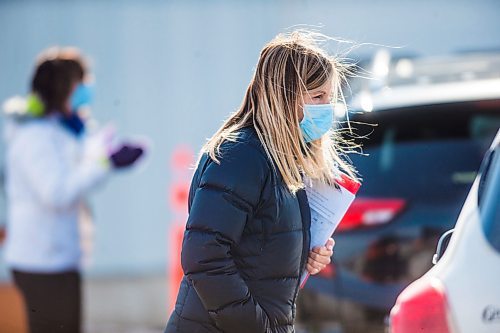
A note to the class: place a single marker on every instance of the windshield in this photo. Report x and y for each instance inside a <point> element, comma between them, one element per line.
<point>429,153</point>
<point>489,198</point>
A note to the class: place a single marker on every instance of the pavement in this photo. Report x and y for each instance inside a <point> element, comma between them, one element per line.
<point>111,305</point>
<point>126,304</point>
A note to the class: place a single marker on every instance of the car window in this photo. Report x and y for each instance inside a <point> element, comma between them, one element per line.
<point>413,150</point>
<point>409,170</point>
<point>477,121</point>
<point>489,198</point>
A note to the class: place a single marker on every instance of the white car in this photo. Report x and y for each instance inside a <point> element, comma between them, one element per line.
<point>461,293</point>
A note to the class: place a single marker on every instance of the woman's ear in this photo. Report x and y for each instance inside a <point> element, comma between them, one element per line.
<point>300,112</point>
<point>300,106</point>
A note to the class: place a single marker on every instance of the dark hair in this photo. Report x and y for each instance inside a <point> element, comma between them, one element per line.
<point>56,73</point>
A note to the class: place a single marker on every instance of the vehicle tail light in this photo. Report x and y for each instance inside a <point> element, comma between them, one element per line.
<point>421,307</point>
<point>368,212</point>
<point>329,272</point>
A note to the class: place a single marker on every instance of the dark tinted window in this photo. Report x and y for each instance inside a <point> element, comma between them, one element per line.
<point>489,198</point>
<point>426,154</point>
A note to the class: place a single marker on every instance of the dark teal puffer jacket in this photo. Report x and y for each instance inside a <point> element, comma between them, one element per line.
<point>245,245</point>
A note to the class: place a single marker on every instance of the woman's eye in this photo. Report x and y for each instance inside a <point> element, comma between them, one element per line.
<point>317,97</point>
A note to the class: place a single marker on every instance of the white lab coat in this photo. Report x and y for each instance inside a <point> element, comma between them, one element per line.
<point>49,171</point>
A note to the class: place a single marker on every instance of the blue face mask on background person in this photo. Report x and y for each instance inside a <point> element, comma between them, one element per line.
<point>318,119</point>
<point>82,96</point>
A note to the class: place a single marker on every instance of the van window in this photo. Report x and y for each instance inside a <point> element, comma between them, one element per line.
<point>410,151</point>
<point>489,198</point>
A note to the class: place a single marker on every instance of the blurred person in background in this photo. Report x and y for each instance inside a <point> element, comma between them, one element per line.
<point>247,236</point>
<point>52,163</point>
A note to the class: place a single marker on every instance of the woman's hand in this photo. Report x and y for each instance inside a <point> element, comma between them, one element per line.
<point>319,257</point>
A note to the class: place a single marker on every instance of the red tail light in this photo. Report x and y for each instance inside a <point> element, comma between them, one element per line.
<point>369,212</point>
<point>421,307</point>
<point>329,271</point>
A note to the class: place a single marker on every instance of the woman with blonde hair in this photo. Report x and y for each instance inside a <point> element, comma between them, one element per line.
<point>247,236</point>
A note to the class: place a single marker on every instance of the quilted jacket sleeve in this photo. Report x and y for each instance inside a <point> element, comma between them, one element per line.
<point>227,196</point>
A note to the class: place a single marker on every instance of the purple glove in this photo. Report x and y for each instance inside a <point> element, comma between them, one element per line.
<point>126,155</point>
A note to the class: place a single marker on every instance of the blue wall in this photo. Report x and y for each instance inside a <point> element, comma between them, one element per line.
<point>172,70</point>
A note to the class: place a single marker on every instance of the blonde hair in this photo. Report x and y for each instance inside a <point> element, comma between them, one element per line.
<point>289,66</point>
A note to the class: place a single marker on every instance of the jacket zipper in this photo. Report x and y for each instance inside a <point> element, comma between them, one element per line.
<point>306,225</point>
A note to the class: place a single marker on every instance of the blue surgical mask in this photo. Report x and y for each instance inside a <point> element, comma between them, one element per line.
<point>318,119</point>
<point>82,96</point>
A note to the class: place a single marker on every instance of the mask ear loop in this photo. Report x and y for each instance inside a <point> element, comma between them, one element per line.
<point>305,115</point>
<point>303,106</point>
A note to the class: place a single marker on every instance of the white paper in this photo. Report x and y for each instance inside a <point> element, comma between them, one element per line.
<point>328,206</point>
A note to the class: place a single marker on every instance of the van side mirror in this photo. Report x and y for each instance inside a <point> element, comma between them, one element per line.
<point>442,245</point>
